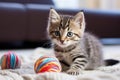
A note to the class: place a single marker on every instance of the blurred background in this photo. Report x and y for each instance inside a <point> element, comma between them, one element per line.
<point>23,23</point>
<point>88,4</point>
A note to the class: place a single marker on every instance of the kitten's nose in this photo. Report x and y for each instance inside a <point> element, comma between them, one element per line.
<point>62,41</point>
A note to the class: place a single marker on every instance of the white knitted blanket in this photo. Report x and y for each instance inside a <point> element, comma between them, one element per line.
<point>26,72</point>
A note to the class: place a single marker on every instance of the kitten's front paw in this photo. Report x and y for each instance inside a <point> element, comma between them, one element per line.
<point>74,72</point>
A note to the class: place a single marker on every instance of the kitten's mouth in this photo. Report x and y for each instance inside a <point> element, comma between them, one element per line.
<point>62,44</point>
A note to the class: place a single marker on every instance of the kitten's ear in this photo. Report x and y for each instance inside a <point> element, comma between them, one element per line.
<point>79,17</point>
<point>53,16</point>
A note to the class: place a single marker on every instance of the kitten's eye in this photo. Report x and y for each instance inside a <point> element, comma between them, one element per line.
<point>57,33</point>
<point>69,34</point>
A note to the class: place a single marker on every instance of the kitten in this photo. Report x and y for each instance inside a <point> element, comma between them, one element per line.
<point>76,49</point>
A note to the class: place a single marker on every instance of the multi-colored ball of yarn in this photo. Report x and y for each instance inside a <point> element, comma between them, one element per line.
<point>10,60</point>
<point>47,64</point>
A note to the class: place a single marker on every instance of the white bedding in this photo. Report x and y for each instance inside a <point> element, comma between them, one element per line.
<point>26,72</point>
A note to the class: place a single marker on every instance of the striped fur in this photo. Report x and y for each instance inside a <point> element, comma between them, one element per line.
<point>77,50</point>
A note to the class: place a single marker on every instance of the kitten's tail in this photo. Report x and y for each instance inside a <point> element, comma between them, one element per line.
<point>110,62</point>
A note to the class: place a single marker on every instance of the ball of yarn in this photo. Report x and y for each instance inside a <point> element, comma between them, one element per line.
<point>47,64</point>
<point>10,61</point>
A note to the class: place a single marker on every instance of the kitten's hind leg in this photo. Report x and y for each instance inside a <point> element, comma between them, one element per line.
<point>64,65</point>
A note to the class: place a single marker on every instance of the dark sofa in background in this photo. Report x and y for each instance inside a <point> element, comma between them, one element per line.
<point>24,23</point>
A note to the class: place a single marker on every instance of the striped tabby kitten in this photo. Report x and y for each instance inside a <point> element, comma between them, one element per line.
<point>77,50</point>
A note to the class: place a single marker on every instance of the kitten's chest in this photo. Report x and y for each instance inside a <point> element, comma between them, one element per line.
<point>63,56</point>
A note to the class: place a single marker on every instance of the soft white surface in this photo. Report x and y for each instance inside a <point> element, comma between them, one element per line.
<point>112,51</point>
<point>29,56</point>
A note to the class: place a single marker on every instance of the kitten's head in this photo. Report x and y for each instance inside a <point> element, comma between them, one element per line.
<point>65,30</point>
